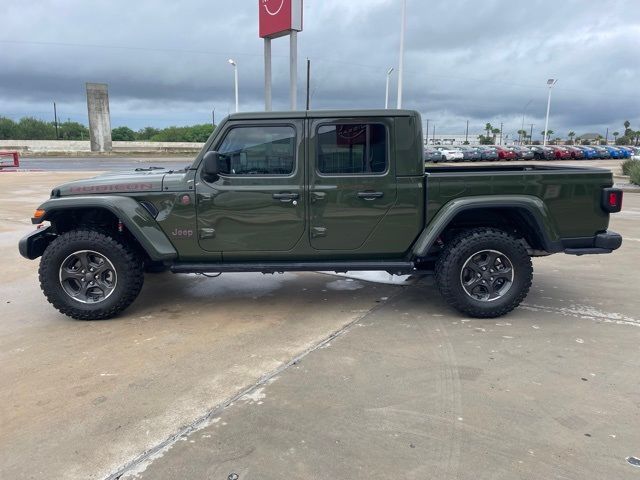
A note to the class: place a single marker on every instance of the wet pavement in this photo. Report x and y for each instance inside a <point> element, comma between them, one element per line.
<point>413,390</point>
<point>328,377</point>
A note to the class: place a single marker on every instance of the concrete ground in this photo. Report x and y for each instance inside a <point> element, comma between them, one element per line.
<point>327,377</point>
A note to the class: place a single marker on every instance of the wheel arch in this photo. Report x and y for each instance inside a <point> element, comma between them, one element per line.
<point>65,212</point>
<point>526,214</point>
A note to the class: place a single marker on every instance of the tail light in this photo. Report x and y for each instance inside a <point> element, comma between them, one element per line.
<point>612,200</point>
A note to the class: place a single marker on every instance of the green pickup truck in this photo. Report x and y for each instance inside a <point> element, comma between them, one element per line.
<point>318,190</point>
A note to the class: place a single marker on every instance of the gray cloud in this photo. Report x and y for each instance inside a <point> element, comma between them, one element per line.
<point>465,60</point>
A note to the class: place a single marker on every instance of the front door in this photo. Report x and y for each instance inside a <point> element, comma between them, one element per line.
<point>257,203</point>
<point>352,182</point>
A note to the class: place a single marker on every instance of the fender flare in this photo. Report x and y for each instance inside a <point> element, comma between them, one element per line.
<point>133,215</point>
<point>534,207</point>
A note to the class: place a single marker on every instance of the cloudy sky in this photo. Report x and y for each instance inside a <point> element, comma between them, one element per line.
<point>166,62</point>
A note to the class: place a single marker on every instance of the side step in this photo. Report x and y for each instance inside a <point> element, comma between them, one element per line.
<point>394,267</point>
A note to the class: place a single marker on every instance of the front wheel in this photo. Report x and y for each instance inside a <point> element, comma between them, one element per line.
<point>484,272</point>
<point>89,275</point>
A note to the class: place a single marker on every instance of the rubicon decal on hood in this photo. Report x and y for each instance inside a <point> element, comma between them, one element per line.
<point>118,187</point>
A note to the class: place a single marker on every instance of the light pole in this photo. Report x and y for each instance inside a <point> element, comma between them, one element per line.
<point>427,138</point>
<point>233,63</point>
<point>401,62</point>
<point>386,96</point>
<point>551,82</point>
<point>524,110</point>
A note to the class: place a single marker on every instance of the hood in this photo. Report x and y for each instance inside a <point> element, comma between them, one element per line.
<point>139,180</point>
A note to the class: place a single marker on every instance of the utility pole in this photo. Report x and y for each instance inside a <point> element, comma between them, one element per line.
<point>606,137</point>
<point>308,83</point>
<point>501,125</point>
<point>466,135</point>
<point>434,134</point>
<point>213,118</point>
<point>55,119</point>
<point>401,61</point>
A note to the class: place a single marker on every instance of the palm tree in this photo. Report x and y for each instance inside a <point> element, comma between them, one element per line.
<point>615,136</point>
<point>548,134</point>
<point>523,135</point>
<point>571,134</point>
<point>627,124</point>
<point>488,127</point>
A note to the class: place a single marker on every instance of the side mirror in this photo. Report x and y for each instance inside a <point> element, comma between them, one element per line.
<point>211,164</point>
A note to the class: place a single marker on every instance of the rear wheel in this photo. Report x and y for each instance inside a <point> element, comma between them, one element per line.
<point>484,272</point>
<point>89,275</point>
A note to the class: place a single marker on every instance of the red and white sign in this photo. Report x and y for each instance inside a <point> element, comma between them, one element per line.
<point>279,17</point>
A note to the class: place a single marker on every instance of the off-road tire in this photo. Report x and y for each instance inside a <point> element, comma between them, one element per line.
<point>128,266</point>
<point>461,248</point>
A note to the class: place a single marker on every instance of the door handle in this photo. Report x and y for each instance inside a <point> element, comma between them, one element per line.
<point>370,195</point>
<point>286,197</point>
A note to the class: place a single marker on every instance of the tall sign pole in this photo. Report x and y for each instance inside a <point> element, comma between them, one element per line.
<point>278,18</point>
<point>267,74</point>
<point>293,69</point>
<point>401,60</point>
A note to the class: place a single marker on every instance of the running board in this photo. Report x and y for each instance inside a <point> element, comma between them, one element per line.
<point>394,267</point>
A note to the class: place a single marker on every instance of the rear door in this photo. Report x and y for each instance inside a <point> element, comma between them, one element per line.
<point>257,204</point>
<point>352,183</point>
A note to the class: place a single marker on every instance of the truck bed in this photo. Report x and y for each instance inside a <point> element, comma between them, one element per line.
<point>570,193</point>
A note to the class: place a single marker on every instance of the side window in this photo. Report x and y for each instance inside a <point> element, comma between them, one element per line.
<point>259,150</point>
<point>352,149</point>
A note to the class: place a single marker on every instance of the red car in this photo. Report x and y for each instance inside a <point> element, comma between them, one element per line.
<point>576,153</point>
<point>561,153</point>
<point>506,154</point>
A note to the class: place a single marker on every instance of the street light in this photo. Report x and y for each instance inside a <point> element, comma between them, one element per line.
<point>386,97</point>
<point>524,110</point>
<point>551,82</point>
<point>235,72</point>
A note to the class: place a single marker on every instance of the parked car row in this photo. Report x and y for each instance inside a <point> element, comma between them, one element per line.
<point>485,153</point>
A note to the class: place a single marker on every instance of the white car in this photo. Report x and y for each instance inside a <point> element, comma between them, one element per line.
<point>451,153</point>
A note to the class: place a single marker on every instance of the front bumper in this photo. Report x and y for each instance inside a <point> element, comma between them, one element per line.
<point>605,242</point>
<point>33,245</point>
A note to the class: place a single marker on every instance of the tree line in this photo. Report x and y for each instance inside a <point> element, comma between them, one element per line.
<point>28,128</point>
<point>630,137</point>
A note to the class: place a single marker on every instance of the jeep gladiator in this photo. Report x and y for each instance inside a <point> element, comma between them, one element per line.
<point>318,190</point>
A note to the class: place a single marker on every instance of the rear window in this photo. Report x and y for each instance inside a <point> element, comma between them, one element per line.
<point>352,149</point>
